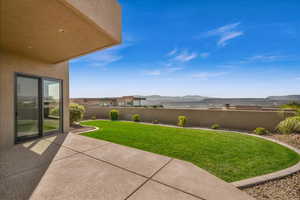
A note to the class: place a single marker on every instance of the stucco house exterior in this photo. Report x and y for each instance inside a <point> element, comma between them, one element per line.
<point>37,38</point>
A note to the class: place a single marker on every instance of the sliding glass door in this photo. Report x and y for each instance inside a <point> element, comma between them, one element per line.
<point>52,106</point>
<point>27,107</point>
<point>38,106</point>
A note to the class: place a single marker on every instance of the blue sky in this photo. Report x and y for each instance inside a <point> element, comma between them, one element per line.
<point>192,47</point>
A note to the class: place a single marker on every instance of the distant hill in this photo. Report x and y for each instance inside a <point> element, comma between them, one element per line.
<point>286,98</point>
<point>158,100</point>
<point>197,101</point>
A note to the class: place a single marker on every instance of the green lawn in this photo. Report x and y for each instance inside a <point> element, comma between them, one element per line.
<point>230,156</point>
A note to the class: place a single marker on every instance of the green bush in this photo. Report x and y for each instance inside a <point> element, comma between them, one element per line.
<point>261,131</point>
<point>54,111</point>
<point>289,125</point>
<point>181,121</point>
<point>136,118</point>
<point>76,112</point>
<point>114,114</point>
<point>94,117</point>
<point>292,105</point>
<point>215,126</point>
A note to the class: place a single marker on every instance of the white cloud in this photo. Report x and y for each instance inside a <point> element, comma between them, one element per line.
<point>207,75</point>
<point>174,69</point>
<point>181,56</point>
<point>175,62</point>
<point>171,53</point>
<point>265,58</point>
<point>102,58</point>
<point>185,56</point>
<point>228,36</point>
<point>228,66</point>
<point>223,29</point>
<point>152,72</point>
<point>105,58</point>
<point>204,55</point>
<point>225,33</point>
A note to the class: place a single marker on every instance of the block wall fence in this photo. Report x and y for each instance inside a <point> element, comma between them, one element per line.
<point>228,119</point>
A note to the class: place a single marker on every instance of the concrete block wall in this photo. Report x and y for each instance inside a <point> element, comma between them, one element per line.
<point>240,120</point>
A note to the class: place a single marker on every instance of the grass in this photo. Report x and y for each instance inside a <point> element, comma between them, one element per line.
<point>229,156</point>
<point>31,126</point>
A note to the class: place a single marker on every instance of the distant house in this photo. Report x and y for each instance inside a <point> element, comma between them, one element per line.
<point>111,101</point>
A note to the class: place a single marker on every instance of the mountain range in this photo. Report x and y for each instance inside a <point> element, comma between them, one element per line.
<point>164,100</point>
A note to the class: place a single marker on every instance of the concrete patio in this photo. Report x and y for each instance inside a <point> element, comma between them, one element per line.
<point>70,166</point>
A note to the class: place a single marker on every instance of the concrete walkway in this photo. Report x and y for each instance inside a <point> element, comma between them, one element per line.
<point>69,166</point>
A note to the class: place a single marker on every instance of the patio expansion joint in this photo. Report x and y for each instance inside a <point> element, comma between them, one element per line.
<point>114,165</point>
<point>175,188</point>
<point>37,166</point>
<point>97,147</point>
<point>107,162</point>
<point>76,152</point>
<point>138,174</point>
<point>148,179</point>
<point>258,179</point>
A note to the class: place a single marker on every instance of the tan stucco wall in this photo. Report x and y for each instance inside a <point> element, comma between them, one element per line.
<point>106,14</point>
<point>9,64</point>
<point>241,120</point>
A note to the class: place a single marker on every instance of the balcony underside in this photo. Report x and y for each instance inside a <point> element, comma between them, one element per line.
<point>58,30</point>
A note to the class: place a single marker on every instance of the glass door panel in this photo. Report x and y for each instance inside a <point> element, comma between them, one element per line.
<point>27,107</point>
<point>51,106</point>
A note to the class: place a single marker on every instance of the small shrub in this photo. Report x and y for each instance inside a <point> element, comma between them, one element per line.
<point>93,117</point>
<point>261,131</point>
<point>76,112</point>
<point>136,118</point>
<point>292,105</point>
<point>155,121</point>
<point>181,121</point>
<point>215,126</point>
<point>114,114</point>
<point>289,125</point>
<point>54,111</point>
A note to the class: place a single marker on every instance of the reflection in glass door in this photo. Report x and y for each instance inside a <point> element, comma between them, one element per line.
<point>38,107</point>
<point>27,107</point>
<point>51,105</point>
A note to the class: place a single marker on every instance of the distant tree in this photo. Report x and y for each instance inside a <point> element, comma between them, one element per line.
<point>292,105</point>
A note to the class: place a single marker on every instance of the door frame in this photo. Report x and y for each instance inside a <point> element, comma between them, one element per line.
<point>41,132</point>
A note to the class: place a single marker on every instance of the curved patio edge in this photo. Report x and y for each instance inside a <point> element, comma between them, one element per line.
<point>250,181</point>
<point>95,128</point>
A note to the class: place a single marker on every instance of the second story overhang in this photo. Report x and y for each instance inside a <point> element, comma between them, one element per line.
<point>58,30</point>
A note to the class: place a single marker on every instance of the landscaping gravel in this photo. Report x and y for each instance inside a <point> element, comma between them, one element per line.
<point>287,188</point>
<point>292,139</point>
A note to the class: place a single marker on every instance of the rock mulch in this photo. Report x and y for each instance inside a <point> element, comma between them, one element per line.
<point>287,188</point>
<point>292,139</point>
